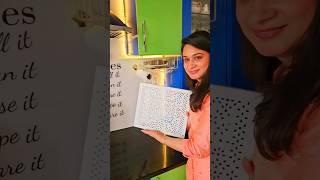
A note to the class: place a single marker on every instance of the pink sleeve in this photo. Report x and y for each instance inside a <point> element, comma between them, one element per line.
<point>198,144</point>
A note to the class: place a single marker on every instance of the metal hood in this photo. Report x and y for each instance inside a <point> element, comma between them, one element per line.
<point>117,26</point>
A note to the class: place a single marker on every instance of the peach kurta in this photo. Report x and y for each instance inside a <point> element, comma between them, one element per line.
<point>197,147</point>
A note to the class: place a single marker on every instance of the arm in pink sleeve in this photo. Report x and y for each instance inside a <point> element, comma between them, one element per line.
<point>194,148</point>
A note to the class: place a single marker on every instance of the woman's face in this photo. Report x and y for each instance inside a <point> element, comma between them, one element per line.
<point>195,61</point>
<point>275,26</point>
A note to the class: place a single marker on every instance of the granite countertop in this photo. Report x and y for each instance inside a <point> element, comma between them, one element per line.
<point>135,155</point>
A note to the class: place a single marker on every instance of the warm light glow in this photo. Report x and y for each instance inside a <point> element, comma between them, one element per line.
<point>122,9</point>
<point>151,56</point>
<point>162,77</point>
<point>117,7</point>
<point>164,155</point>
<point>129,12</point>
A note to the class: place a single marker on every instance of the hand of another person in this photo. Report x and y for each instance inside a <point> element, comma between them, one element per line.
<point>159,136</point>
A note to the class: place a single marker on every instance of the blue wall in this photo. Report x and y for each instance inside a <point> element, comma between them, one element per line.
<point>226,66</point>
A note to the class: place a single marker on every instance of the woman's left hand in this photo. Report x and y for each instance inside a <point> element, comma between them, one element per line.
<point>159,136</point>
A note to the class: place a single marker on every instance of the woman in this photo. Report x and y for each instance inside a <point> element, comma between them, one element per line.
<point>282,40</point>
<point>196,58</point>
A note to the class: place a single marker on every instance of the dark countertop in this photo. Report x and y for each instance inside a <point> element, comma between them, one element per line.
<point>135,155</point>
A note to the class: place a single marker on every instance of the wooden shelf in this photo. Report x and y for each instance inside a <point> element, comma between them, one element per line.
<point>202,14</point>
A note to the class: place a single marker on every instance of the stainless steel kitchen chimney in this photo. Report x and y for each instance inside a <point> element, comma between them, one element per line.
<point>117,26</point>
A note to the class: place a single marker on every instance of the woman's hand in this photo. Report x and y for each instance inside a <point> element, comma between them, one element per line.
<point>159,136</point>
<point>248,166</point>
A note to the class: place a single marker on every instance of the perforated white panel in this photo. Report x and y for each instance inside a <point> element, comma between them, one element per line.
<point>95,154</point>
<point>231,131</point>
<point>162,108</point>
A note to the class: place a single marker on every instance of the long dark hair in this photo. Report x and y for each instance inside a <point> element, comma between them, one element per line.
<point>277,116</point>
<point>200,40</point>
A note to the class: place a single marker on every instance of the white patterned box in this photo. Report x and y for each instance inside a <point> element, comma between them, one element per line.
<point>162,108</point>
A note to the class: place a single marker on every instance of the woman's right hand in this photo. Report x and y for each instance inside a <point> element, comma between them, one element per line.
<point>248,166</point>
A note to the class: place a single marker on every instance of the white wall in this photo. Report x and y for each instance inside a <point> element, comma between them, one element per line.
<point>65,58</point>
<point>122,116</point>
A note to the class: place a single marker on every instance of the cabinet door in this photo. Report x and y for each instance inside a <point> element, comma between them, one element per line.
<point>178,173</point>
<point>159,25</point>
